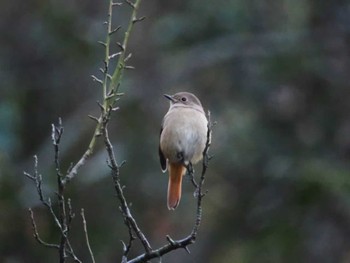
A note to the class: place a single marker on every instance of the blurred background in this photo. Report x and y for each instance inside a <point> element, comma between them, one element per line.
<point>275,76</point>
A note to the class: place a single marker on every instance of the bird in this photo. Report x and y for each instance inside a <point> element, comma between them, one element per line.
<point>182,141</point>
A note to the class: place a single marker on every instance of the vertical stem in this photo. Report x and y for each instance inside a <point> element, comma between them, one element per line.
<point>108,86</point>
<point>56,136</point>
<point>63,222</point>
<point>108,40</point>
<point>117,75</point>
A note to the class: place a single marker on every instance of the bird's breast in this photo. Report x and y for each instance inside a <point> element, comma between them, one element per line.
<point>184,135</point>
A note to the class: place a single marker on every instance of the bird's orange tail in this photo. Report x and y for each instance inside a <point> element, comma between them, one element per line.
<point>176,171</point>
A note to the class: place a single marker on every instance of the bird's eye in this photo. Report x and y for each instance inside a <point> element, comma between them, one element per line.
<point>183,98</point>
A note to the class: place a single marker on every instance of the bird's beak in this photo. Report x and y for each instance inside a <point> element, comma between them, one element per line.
<point>169,97</point>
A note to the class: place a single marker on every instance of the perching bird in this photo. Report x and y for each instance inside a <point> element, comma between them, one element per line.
<point>183,137</point>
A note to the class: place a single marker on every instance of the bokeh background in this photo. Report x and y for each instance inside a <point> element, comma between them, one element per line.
<point>275,75</point>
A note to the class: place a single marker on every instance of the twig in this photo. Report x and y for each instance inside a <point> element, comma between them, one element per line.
<point>116,77</point>
<point>87,236</point>
<point>128,218</point>
<point>63,218</point>
<point>111,82</point>
<point>36,234</point>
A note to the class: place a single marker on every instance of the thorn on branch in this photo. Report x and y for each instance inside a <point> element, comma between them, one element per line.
<point>138,19</point>
<point>129,67</point>
<point>187,249</point>
<point>130,3</point>
<point>128,57</point>
<point>29,175</point>
<point>102,43</point>
<point>170,240</point>
<point>116,4</point>
<point>124,246</point>
<point>70,168</point>
<point>210,157</point>
<point>122,164</point>
<point>115,30</point>
<point>101,106</point>
<point>94,78</point>
<point>122,48</point>
<point>93,118</point>
<point>115,55</point>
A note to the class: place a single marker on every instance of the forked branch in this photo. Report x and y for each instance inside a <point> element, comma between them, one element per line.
<point>131,222</point>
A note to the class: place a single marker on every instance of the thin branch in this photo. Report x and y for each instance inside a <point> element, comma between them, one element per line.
<point>131,222</point>
<point>37,178</point>
<point>139,19</point>
<point>36,234</point>
<point>130,4</point>
<point>71,253</point>
<point>56,135</point>
<point>117,75</point>
<point>89,151</point>
<point>111,81</point>
<point>87,236</point>
<point>115,30</point>
<point>94,78</point>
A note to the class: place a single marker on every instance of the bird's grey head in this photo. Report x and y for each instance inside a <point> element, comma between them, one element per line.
<point>184,99</point>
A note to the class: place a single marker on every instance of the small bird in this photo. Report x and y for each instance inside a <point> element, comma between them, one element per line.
<point>183,137</point>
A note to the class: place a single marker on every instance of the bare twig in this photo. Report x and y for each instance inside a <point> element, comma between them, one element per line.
<point>128,218</point>
<point>64,216</point>
<point>36,234</point>
<point>87,236</point>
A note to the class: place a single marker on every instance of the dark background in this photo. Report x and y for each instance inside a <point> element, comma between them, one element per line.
<point>275,75</point>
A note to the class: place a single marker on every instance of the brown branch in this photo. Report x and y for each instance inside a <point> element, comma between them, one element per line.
<point>87,236</point>
<point>124,207</point>
<point>36,233</point>
<point>65,215</point>
<point>131,222</point>
<point>56,135</point>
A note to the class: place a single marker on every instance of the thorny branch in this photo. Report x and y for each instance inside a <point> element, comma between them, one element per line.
<point>65,215</point>
<point>110,84</point>
<point>111,81</point>
<point>131,222</point>
<point>124,207</point>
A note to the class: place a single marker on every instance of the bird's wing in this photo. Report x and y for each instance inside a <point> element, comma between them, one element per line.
<point>161,155</point>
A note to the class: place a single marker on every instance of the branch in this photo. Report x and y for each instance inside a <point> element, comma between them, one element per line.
<point>87,236</point>
<point>64,217</point>
<point>110,83</point>
<point>117,75</point>
<point>128,218</point>
<point>36,234</point>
